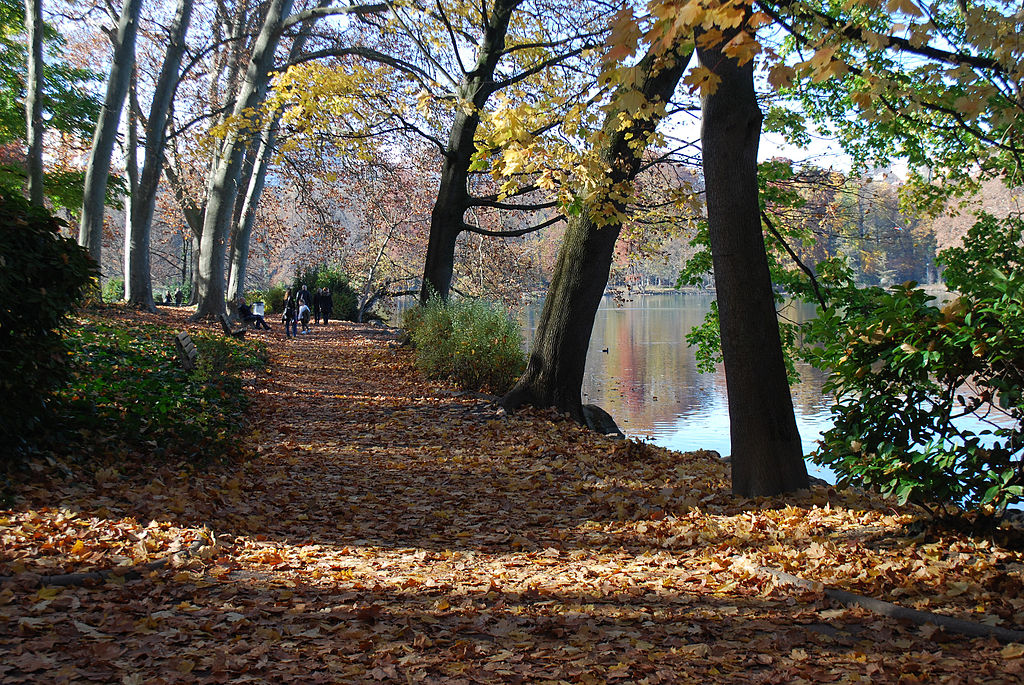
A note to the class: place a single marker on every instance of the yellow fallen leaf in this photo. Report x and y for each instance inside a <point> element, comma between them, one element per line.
<point>1014,650</point>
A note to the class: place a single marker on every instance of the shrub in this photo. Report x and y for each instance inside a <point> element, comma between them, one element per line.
<point>343,297</point>
<point>272,297</point>
<point>113,290</point>
<point>43,277</point>
<point>903,371</point>
<point>129,394</point>
<point>467,341</point>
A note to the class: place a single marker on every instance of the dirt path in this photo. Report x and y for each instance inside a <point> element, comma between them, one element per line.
<point>391,530</point>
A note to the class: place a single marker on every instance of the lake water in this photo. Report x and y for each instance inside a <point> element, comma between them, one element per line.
<point>648,380</point>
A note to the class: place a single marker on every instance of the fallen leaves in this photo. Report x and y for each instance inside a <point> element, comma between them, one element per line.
<point>388,530</point>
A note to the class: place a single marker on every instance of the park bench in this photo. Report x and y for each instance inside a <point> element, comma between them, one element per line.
<point>187,350</point>
<point>228,330</point>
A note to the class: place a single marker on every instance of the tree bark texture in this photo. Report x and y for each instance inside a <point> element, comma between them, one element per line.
<point>767,458</point>
<point>224,186</point>
<point>132,172</point>
<point>97,170</point>
<point>241,231</point>
<point>138,278</point>
<point>554,372</point>
<point>447,219</point>
<point>34,100</point>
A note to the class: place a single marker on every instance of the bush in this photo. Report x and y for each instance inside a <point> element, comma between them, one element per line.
<point>113,290</point>
<point>272,297</point>
<point>903,371</point>
<point>43,277</point>
<point>343,297</point>
<point>128,394</point>
<point>467,341</point>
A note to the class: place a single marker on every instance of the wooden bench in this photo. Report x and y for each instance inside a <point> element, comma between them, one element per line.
<point>187,350</point>
<point>228,330</point>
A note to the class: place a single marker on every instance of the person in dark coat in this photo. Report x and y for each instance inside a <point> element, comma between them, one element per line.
<point>316,305</point>
<point>289,317</point>
<point>305,296</point>
<point>247,317</point>
<point>326,304</point>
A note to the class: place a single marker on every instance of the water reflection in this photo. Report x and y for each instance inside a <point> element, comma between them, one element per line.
<point>640,369</point>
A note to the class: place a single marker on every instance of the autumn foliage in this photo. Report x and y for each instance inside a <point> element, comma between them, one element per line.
<point>389,530</point>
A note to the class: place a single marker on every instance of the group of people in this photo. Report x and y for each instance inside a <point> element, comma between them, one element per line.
<point>298,310</point>
<point>306,305</point>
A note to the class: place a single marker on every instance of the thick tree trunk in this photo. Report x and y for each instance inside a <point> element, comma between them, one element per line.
<point>767,458</point>
<point>554,372</point>
<point>34,100</point>
<point>224,188</point>
<point>139,273</point>
<point>97,170</point>
<point>447,220</point>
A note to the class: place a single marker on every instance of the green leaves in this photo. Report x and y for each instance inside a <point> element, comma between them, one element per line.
<point>905,372</point>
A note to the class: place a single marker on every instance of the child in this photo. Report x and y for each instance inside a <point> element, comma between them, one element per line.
<point>304,316</point>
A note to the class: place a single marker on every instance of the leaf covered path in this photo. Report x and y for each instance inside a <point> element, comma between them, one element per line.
<point>387,529</point>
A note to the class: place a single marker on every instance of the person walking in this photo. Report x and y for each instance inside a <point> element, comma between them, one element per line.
<point>290,315</point>
<point>326,304</point>
<point>316,304</point>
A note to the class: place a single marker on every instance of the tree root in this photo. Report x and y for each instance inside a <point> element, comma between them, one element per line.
<point>132,573</point>
<point>948,623</point>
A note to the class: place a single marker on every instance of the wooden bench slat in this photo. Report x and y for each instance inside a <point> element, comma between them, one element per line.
<point>187,350</point>
<point>228,330</point>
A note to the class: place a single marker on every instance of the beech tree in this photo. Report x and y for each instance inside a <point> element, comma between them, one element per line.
<point>34,99</point>
<point>90,233</point>
<point>138,276</point>
<point>554,373</point>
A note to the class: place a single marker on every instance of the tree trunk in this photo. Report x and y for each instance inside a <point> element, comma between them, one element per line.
<point>767,458</point>
<point>34,100</point>
<point>554,372</point>
<point>224,187</point>
<point>97,170</point>
<point>139,275</point>
<point>132,171</point>
<point>241,235</point>
<point>447,219</point>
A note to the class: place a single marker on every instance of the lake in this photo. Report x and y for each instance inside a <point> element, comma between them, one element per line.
<point>648,380</point>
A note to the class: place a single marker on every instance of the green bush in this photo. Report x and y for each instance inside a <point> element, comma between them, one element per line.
<point>467,341</point>
<point>343,297</point>
<point>272,297</point>
<point>43,277</point>
<point>128,394</point>
<point>113,290</point>
<point>903,371</point>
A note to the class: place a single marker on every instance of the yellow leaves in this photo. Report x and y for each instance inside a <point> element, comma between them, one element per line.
<point>703,79</point>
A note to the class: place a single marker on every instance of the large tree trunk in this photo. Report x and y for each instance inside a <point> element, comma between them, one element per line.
<point>447,219</point>
<point>554,372</point>
<point>139,274</point>
<point>34,100</point>
<point>97,170</point>
<point>224,188</point>
<point>767,458</point>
